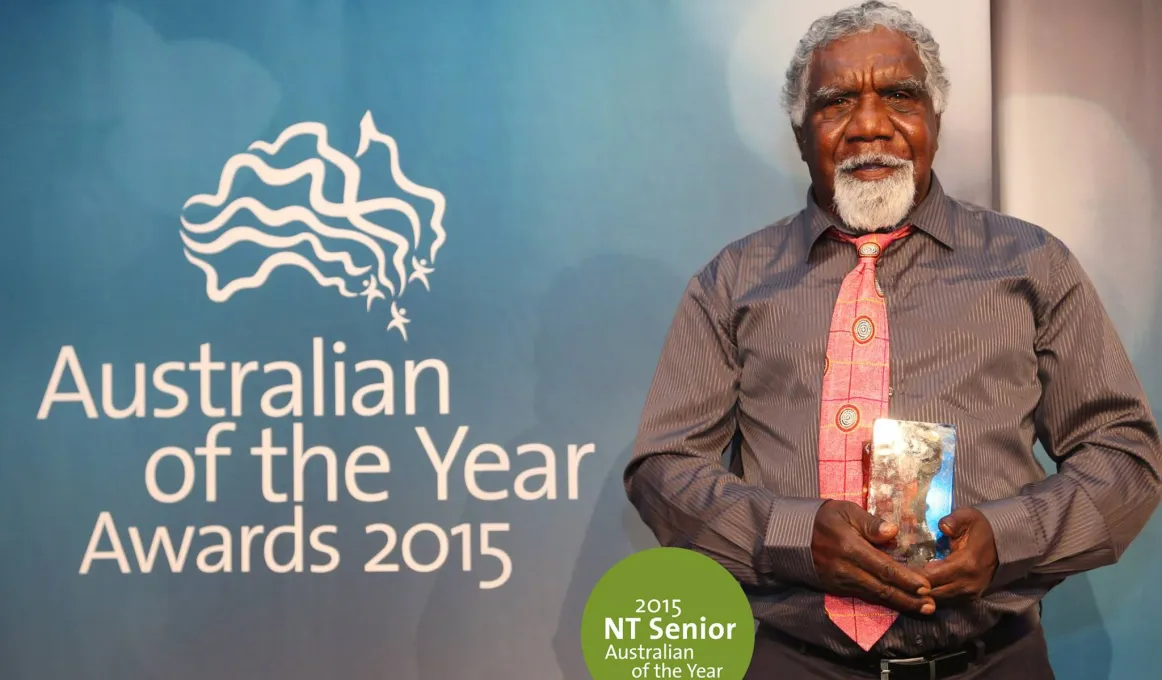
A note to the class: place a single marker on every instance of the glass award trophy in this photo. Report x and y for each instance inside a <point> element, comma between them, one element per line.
<point>908,468</point>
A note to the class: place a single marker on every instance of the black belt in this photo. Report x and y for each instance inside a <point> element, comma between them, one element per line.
<point>935,666</point>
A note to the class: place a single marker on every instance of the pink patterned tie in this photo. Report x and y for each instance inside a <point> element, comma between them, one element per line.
<point>855,393</point>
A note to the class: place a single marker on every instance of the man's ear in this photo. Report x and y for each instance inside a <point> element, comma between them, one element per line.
<point>800,141</point>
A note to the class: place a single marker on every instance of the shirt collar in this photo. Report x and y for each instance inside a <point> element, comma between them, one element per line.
<point>930,216</point>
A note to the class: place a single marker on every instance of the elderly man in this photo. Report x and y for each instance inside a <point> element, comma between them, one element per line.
<point>780,353</point>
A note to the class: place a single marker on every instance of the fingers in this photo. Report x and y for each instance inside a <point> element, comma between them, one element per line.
<point>957,589</point>
<point>954,577</point>
<point>958,522</point>
<point>854,580</point>
<point>899,599</point>
<point>953,592</point>
<point>883,579</point>
<point>943,572</point>
<point>873,529</point>
<point>885,569</point>
<point>845,553</point>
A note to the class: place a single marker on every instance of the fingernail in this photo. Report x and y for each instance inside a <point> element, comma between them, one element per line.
<point>928,608</point>
<point>887,527</point>
<point>923,590</point>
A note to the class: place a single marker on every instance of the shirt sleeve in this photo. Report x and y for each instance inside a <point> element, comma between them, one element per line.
<point>676,478</point>
<point>1095,423</point>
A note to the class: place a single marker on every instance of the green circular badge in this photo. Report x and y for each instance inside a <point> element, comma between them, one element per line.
<point>667,613</point>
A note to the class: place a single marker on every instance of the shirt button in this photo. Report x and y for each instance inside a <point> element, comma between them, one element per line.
<point>918,640</point>
<point>891,391</point>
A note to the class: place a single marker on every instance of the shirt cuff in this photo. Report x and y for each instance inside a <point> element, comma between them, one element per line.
<point>1016,540</point>
<point>790,530</point>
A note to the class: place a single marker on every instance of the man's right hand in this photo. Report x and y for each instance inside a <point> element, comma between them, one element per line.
<point>849,563</point>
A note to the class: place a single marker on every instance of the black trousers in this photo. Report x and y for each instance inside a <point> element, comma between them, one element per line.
<point>1025,659</point>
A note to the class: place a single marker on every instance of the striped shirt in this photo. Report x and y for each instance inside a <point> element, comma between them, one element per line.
<point>995,328</point>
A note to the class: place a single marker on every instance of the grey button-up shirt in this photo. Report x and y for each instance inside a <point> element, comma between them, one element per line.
<point>995,328</point>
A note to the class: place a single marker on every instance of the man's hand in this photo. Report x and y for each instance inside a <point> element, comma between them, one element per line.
<point>969,568</point>
<point>849,563</point>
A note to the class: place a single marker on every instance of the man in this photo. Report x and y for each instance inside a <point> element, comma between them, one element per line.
<point>780,353</point>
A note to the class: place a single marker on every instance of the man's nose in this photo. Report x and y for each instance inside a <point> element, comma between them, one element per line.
<point>869,120</point>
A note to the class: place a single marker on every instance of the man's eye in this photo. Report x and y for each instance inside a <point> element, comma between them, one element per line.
<point>898,96</point>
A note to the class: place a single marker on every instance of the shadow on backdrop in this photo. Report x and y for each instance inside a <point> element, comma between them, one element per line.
<point>1079,644</point>
<point>600,327</point>
<point>615,531</point>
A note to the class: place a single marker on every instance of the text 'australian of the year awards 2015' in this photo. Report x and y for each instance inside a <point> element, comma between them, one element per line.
<point>369,388</point>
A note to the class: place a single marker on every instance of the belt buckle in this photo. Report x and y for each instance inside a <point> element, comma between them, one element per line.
<point>886,666</point>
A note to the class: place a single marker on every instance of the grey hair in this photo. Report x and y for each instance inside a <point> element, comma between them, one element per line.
<point>851,21</point>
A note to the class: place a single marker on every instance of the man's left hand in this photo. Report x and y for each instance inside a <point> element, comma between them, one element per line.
<point>969,568</point>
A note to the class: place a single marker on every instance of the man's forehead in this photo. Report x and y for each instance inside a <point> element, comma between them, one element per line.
<point>882,55</point>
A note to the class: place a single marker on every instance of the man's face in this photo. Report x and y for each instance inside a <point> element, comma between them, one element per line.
<point>870,132</point>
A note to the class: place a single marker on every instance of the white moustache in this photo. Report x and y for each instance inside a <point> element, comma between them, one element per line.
<point>850,164</point>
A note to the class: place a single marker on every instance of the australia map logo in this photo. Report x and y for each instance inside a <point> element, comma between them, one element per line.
<point>365,237</point>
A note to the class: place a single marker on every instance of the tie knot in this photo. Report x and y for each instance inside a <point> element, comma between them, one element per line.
<point>871,246</point>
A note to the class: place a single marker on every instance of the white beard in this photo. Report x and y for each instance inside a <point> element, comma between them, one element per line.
<point>870,205</point>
